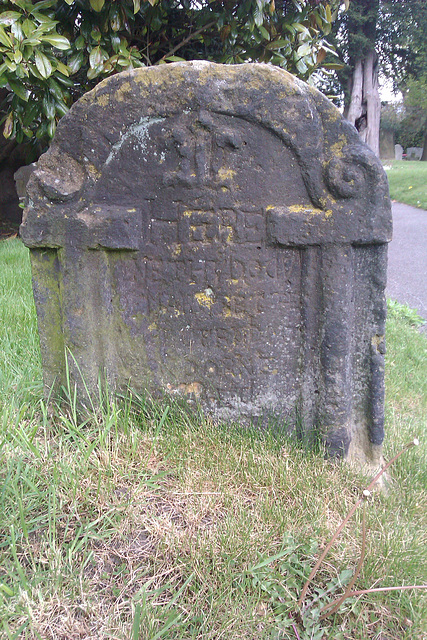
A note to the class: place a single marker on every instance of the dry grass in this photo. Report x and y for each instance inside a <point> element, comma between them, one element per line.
<point>128,522</point>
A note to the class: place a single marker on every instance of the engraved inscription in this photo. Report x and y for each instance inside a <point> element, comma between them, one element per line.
<point>201,294</point>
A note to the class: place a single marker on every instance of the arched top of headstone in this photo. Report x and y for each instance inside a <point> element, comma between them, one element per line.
<point>163,133</point>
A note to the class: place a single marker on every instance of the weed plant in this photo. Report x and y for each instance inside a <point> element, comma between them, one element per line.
<point>146,521</point>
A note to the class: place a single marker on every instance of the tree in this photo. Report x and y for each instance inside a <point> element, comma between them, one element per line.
<point>387,36</point>
<point>402,42</point>
<point>355,82</point>
<point>364,105</point>
<point>53,51</point>
<point>416,107</point>
<point>404,55</point>
<point>404,123</point>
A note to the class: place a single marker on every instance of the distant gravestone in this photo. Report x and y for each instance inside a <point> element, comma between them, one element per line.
<point>21,177</point>
<point>398,152</point>
<point>414,153</point>
<point>386,144</point>
<point>217,232</point>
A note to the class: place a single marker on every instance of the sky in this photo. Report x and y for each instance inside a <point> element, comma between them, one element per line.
<point>386,91</point>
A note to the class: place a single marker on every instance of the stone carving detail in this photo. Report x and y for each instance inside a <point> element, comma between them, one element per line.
<point>216,232</point>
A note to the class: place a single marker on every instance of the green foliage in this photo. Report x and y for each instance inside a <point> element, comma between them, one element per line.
<point>53,51</point>
<point>404,313</point>
<point>279,579</point>
<point>38,80</point>
<point>402,41</point>
<point>403,50</point>
<point>361,28</point>
<point>17,310</point>
<point>392,114</point>
<point>417,93</point>
<point>406,120</point>
<point>416,108</point>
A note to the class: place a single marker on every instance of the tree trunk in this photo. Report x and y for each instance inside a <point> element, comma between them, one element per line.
<point>365,104</point>
<point>373,102</point>
<point>424,154</point>
<point>354,110</point>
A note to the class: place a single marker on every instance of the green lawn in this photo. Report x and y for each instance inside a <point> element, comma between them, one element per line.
<point>408,182</point>
<point>148,522</point>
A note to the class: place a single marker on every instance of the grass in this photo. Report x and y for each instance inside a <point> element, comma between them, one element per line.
<point>149,522</point>
<point>408,182</point>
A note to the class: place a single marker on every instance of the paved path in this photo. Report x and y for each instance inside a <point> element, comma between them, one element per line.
<point>407,258</point>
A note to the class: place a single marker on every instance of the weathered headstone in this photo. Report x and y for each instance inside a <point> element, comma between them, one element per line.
<point>414,153</point>
<point>398,152</point>
<point>21,177</point>
<point>217,232</point>
<point>386,144</point>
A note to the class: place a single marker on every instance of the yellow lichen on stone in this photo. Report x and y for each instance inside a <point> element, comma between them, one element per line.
<point>336,149</point>
<point>141,77</point>
<point>377,340</point>
<point>291,91</point>
<point>152,327</point>
<point>333,115</point>
<point>194,388</point>
<point>205,298</point>
<point>208,73</point>
<point>123,92</point>
<point>230,234</point>
<point>227,312</point>
<point>300,208</point>
<point>226,173</point>
<point>328,214</point>
<point>176,249</point>
<point>326,202</point>
<point>103,100</point>
<point>93,171</point>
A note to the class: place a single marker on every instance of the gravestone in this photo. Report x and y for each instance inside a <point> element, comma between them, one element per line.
<point>386,144</point>
<point>414,153</point>
<point>21,177</point>
<point>398,152</point>
<point>217,232</point>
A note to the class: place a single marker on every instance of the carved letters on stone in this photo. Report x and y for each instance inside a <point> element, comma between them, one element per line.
<point>218,232</point>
